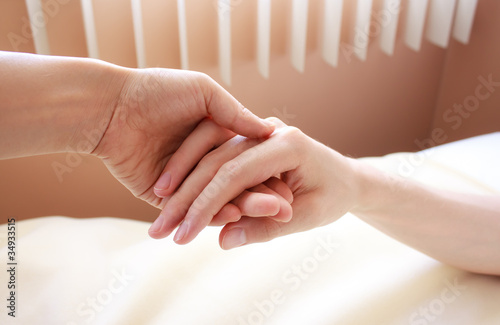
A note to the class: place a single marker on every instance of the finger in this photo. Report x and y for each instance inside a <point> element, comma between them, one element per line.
<point>280,187</point>
<point>229,213</point>
<point>259,201</point>
<point>178,204</point>
<point>250,168</point>
<point>276,121</point>
<point>282,212</point>
<point>254,204</point>
<point>248,203</point>
<point>256,230</point>
<point>204,138</point>
<point>240,233</point>
<point>229,113</point>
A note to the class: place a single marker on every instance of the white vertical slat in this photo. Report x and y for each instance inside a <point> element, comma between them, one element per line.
<point>264,36</point>
<point>332,23</point>
<point>464,17</point>
<point>138,33</point>
<point>299,34</point>
<point>224,13</point>
<point>38,26</point>
<point>390,10</point>
<point>362,28</point>
<point>440,21</point>
<point>90,32</point>
<point>415,21</point>
<point>183,45</point>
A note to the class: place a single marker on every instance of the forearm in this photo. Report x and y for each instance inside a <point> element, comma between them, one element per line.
<point>47,102</point>
<point>458,229</point>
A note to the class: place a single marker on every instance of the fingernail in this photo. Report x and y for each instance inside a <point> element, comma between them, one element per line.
<point>163,182</point>
<point>155,227</point>
<point>234,238</point>
<point>182,231</point>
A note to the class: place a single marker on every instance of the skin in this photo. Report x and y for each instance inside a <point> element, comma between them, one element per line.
<point>152,127</point>
<point>457,229</point>
<point>133,120</point>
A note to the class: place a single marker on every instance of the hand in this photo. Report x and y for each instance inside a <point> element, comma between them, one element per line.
<point>323,182</point>
<point>133,119</point>
<point>271,198</point>
<point>156,110</point>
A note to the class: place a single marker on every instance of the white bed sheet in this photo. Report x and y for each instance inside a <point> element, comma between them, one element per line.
<point>107,271</point>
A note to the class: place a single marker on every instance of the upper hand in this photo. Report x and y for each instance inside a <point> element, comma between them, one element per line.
<point>155,111</point>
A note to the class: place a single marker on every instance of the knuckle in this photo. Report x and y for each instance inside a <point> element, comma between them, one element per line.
<point>293,132</point>
<point>203,77</point>
<point>231,169</point>
<point>243,110</point>
<point>276,121</point>
<point>205,82</point>
<point>294,140</point>
<point>292,136</point>
<point>240,113</point>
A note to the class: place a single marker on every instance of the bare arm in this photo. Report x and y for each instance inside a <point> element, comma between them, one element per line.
<point>133,119</point>
<point>456,228</point>
<point>45,102</point>
<point>459,229</point>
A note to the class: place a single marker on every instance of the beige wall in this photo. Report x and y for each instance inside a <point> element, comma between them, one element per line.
<point>463,69</point>
<point>359,108</point>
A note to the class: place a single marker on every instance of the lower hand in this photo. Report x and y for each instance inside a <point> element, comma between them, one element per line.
<point>323,183</point>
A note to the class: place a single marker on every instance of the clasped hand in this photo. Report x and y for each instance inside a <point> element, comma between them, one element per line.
<point>259,189</point>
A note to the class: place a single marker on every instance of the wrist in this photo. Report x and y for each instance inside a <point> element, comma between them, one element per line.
<point>96,104</point>
<point>372,184</point>
<point>48,102</point>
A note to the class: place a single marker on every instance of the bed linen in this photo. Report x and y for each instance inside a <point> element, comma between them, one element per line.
<point>108,271</point>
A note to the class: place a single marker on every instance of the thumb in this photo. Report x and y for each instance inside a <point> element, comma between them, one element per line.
<point>250,230</point>
<point>226,111</point>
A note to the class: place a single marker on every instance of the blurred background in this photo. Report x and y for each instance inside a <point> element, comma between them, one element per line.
<point>361,77</point>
